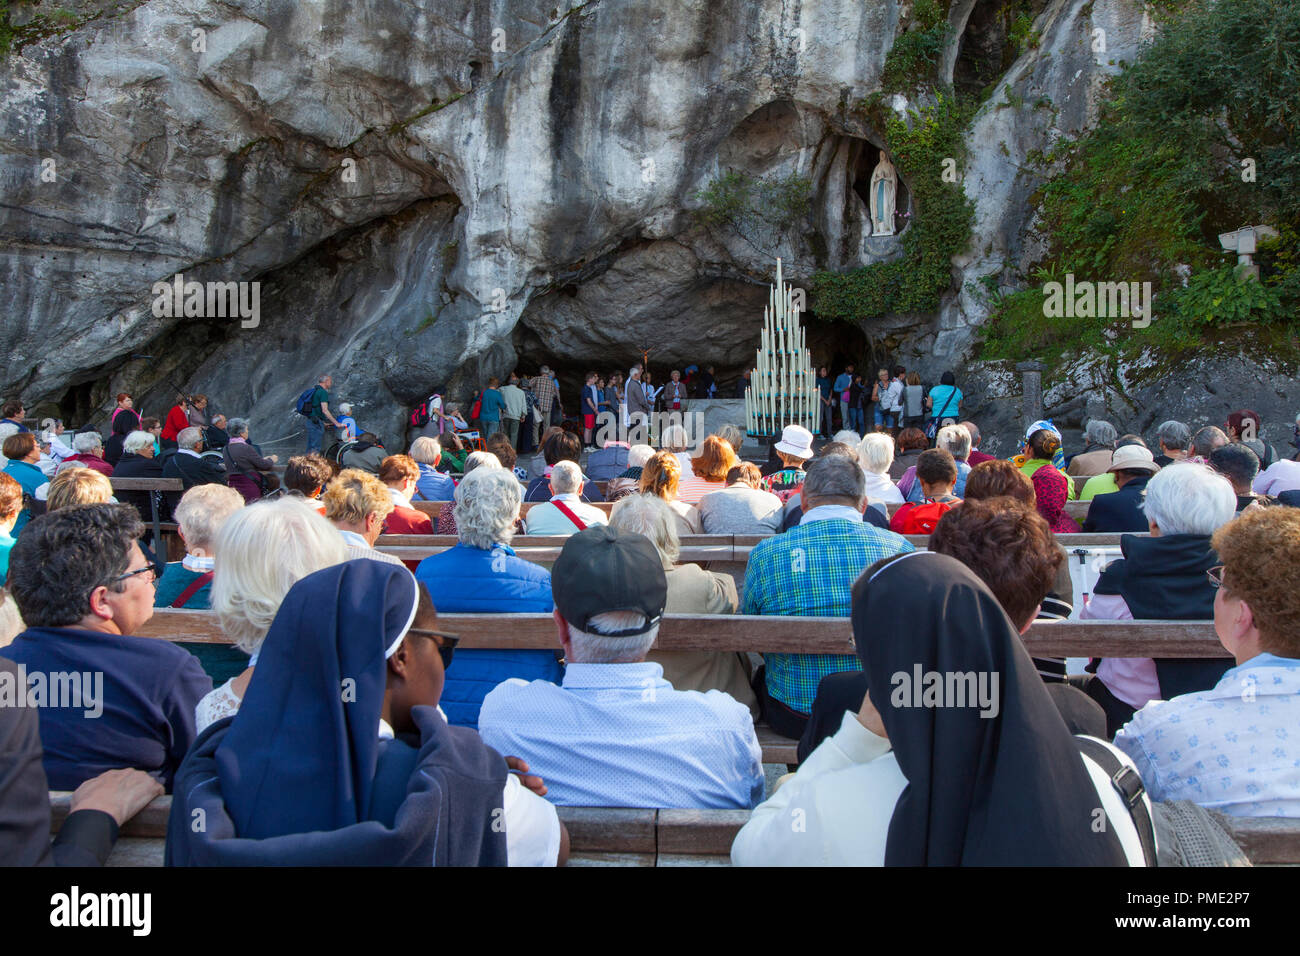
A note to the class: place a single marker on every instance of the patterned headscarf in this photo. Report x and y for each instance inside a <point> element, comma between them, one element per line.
<point>1058,457</point>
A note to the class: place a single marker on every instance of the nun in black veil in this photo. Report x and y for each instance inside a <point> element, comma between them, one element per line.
<point>959,759</point>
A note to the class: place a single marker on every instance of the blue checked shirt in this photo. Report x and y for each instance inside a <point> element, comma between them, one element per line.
<point>809,572</point>
<point>619,735</point>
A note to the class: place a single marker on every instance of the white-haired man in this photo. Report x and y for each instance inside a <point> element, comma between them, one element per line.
<point>565,513</point>
<point>976,457</point>
<point>615,733</point>
<point>189,465</point>
<point>639,406</point>
<point>432,485</point>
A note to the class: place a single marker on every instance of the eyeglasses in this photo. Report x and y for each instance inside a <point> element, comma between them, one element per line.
<point>148,568</point>
<point>1215,574</point>
<point>447,643</point>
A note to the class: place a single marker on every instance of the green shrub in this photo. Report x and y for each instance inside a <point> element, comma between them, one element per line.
<point>760,211</point>
<point>910,62</point>
<point>1224,296</point>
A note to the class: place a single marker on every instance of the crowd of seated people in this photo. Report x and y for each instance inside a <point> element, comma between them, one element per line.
<point>344,722</point>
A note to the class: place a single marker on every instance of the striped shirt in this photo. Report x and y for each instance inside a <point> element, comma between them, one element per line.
<point>691,489</point>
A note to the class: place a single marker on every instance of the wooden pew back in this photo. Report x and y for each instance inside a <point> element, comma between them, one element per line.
<point>616,836</point>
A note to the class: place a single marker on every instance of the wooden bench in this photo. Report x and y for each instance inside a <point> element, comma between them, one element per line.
<point>147,484</point>
<point>1078,510</point>
<point>704,837</point>
<point>1075,509</point>
<point>772,635</point>
<point>434,508</point>
<point>545,548</point>
<point>695,547</point>
<point>155,487</point>
<point>782,635</point>
<point>616,836</point>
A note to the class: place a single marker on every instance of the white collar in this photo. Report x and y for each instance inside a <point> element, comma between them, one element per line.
<point>192,562</point>
<point>188,451</point>
<point>351,537</point>
<point>398,498</point>
<point>829,512</point>
<point>567,496</point>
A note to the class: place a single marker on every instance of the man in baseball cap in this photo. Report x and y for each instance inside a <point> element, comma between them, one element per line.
<point>615,733</point>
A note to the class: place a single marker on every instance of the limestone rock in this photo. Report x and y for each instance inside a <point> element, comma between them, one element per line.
<point>428,193</point>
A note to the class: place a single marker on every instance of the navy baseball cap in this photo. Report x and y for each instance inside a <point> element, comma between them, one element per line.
<point>601,570</point>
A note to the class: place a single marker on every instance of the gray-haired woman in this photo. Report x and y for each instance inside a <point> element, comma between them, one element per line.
<point>249,473</point>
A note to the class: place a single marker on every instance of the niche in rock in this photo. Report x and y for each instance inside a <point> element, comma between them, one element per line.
<point>846,167</point>
<point>863,168</point>
<point>787,150</point>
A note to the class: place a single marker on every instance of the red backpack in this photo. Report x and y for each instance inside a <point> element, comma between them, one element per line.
<point>420,414</point>
<point>922,518</point>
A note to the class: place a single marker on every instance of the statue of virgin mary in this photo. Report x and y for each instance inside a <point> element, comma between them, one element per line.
<point>884,187</point>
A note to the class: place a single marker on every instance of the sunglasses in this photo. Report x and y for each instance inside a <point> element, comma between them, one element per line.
<point>1215,574</point>
<point>446,643</point>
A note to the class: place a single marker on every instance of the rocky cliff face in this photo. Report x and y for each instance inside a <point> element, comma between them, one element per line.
<point>424,190</point>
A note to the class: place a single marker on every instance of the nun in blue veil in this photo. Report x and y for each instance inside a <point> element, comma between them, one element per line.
<point>301,777</point>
